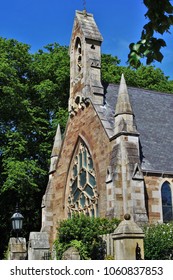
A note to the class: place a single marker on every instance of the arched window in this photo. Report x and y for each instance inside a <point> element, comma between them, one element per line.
<point>166,202</point>
<point>83,197</point>
<point>78,54</point>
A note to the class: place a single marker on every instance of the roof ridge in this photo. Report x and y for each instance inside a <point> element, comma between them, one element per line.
<point>141,88</point>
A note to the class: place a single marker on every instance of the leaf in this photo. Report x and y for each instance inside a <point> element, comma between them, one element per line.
<point>136,47</point>
<point>159,56</point>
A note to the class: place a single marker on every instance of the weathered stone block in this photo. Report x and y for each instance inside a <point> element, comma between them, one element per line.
<point>38,245</point>
<point>17,248</point>
<point>71,254</point>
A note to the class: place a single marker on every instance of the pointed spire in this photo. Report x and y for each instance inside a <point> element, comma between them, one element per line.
<point>123,105</point>
<point>124,116</point>
<point>55,150</point>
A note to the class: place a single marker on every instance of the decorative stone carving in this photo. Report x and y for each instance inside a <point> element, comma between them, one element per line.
<point>77,104</point>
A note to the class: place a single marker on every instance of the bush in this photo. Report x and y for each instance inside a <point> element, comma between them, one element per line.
<point>158,242</point>
<point>84,233</point>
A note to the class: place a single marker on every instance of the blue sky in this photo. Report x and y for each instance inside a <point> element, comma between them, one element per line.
<point>40,22</point>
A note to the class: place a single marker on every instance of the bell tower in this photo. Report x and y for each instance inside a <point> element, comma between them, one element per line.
<point>85,62</point>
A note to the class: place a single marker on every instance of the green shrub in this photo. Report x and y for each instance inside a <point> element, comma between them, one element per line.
<point>158,242</point>
<point>84,233</point>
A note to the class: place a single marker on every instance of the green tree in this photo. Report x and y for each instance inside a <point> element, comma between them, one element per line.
<point>33,99</point>
<point>147,77</point>
<point>110,70</point>
<point>84,233</point>
<point>160,20</point>
<point>14,61</point>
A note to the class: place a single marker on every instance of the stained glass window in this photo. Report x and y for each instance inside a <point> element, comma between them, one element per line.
<point>83,195</point>
<point>166,202</point>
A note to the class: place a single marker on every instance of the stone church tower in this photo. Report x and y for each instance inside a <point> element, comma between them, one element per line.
<point>103,165</point>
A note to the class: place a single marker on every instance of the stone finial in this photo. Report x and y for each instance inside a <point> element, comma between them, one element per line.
<point>127,217</point>
<point>128,228</point>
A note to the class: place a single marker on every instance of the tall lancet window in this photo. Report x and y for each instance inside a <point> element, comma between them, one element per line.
<point>166,202</point>
<point>83,197</point>
<point>78,55</point>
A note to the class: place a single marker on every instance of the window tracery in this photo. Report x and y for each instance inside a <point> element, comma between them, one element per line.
<point>83,196</point>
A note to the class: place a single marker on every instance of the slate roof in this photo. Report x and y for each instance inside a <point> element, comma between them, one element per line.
<point>154,119</point>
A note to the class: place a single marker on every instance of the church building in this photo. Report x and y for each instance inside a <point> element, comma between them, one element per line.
<point>116,156</point>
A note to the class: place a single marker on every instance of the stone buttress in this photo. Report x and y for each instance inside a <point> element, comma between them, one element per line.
<point>125,181</point>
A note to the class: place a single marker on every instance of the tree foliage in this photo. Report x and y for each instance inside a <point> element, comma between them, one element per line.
<point>160,20</point>
<point>158,242</point>
<point>84,233</point>
<point>147,77</point>
<point>33,99</point>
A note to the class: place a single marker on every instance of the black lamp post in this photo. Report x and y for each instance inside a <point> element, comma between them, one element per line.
<point>17,221</point>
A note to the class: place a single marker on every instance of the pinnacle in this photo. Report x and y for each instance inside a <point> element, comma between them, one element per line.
<point>123,105</point>
<point>57,142</point>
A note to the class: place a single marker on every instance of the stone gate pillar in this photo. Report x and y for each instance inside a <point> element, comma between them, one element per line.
<point>128,240</point>
<point>38,245</point>
<point>17,248</point>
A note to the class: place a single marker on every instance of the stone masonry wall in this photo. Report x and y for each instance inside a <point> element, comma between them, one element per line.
<point>153,185</point>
